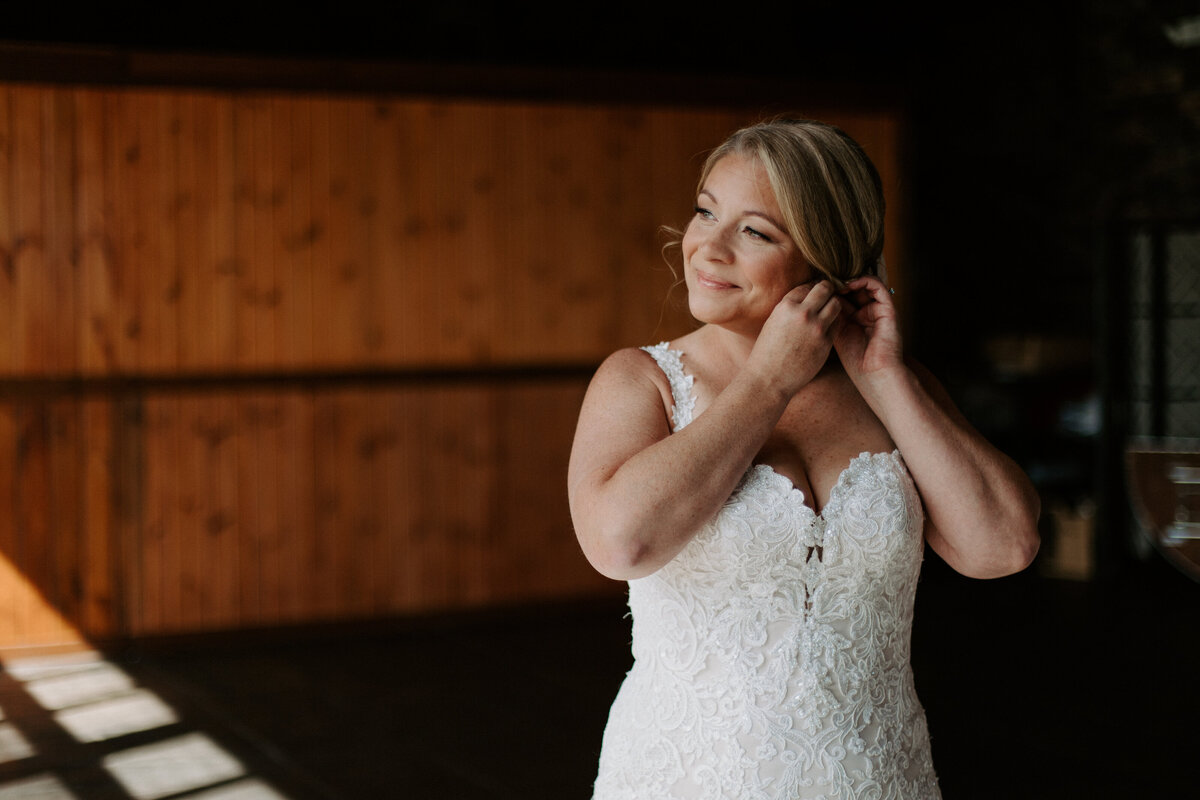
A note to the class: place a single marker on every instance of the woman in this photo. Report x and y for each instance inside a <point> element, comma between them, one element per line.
<point>769,504</point>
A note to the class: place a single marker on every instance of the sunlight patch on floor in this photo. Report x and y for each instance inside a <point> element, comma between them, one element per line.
<point>82,683</point>
<point>250,789</point>
<point>169,767</point>
<point>140,710</point>
<point>38,787</point>
<point>13,746</point>
<point>95,702</point>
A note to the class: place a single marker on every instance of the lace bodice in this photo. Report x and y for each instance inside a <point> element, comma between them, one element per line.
<point>771,655</point>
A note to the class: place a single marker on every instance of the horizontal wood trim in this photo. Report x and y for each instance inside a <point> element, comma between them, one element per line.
<point>772,92</point>
<point>78,386</point>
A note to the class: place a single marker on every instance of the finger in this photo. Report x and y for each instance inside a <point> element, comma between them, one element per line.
<point>850,306</point>
<point>798,294</point>
<point>858,298</point>
<point>820,293</point>
<point>871,286</point>
<point>871,314</point>
<point>829,312</point>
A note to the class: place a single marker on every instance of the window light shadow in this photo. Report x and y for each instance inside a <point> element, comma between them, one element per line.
<point>184,763</point>
<point>88,708</point>
<point>37,787</point>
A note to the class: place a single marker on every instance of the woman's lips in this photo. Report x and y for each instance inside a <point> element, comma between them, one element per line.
<point>709,282</point>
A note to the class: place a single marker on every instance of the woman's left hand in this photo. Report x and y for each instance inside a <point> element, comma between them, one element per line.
<point>868,338</point>
<point>981,510</point>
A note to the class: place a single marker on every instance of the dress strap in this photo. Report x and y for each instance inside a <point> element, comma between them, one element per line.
<point>671,363</point>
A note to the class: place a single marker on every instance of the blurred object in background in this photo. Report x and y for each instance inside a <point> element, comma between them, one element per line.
<point>1032,355</point>
<point>1162,389</point>
<point>1164,488</point>
<point>1071,550</point>
<point>1164,330</point>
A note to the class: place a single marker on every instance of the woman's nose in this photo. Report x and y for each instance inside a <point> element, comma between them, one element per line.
<point>715,245</point>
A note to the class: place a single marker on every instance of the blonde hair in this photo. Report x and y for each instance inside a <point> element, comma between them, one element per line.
<point>828,191</point>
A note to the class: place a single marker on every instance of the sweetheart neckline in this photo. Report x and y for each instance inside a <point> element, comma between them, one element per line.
<point>786,482</point>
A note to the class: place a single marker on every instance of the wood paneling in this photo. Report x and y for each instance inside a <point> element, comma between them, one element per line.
<point>185,274</point>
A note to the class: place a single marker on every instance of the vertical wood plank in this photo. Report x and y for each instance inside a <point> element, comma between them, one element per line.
<point>259,442</point>
<point>363,249</point>
<point>324,559</point>
<point>30,571</point>
<point>122,157</point>
<point>32,298</point>
<point>424,475</point>
<point>355,525</point>
<point>156,246</point>
<point>265,292</point>
<point>258,294</point>
<point>65,457</point>
<point>129,511</point>
<point>8,241</point>
<point>465,287</point>
<point>193,157</point>
<point>100,551</point>
<point>378,452</point>
<point>34,554</point>
<point>295,231</point>
<point>321,256</point>
<point>295,509</point>
<point>219,258</point>
<point>137,164</point>
<point>405,233</point>
<point>397,508</point>
<point>341,286</point>
<point>97,325</point>
<point>11,628</point>
<point>249,443</point>
<point>189,569</point>
<point>220,525</point>
<point>374,437</point>
<point>61,242</point>
<point>159,550</point>
<point>243,215</point>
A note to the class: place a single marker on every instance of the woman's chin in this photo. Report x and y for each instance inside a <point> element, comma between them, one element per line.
<point>709,316</point>
<point>703,312</point>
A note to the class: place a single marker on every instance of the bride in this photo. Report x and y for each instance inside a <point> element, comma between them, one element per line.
<point>769,503</point>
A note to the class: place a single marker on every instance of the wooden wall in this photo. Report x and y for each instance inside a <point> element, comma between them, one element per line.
<point>281,358</point>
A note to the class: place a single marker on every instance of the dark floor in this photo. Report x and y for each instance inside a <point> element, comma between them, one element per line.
<point>1033,688</point>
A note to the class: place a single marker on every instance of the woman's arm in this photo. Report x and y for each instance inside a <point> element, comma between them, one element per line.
<point>981,509</point>
<point>638,492</point>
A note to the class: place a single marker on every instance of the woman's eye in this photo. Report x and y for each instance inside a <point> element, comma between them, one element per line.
<point>757,234</point>
<point>704,213</point>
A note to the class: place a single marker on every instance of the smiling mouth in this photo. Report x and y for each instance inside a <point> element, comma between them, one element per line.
<point>709,282</point>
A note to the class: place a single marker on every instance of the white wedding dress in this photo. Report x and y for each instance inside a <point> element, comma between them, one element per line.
<point>771,656</point>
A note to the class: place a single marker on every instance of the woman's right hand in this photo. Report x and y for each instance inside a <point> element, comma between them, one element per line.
<point>797,337</point>
<point>639,492</point>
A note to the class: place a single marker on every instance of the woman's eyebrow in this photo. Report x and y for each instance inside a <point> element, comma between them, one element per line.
<point>749,212</point>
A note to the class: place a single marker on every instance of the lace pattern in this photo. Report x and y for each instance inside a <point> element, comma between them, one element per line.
<point>671,363</point>
<point>771,656</point>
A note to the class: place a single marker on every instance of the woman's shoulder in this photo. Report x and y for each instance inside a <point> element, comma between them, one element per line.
<point>630,370</point>
<point>628,363</point>
<point>648,360</point>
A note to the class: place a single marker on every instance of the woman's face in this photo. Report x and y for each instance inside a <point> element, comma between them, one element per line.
<point>738,261</point>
